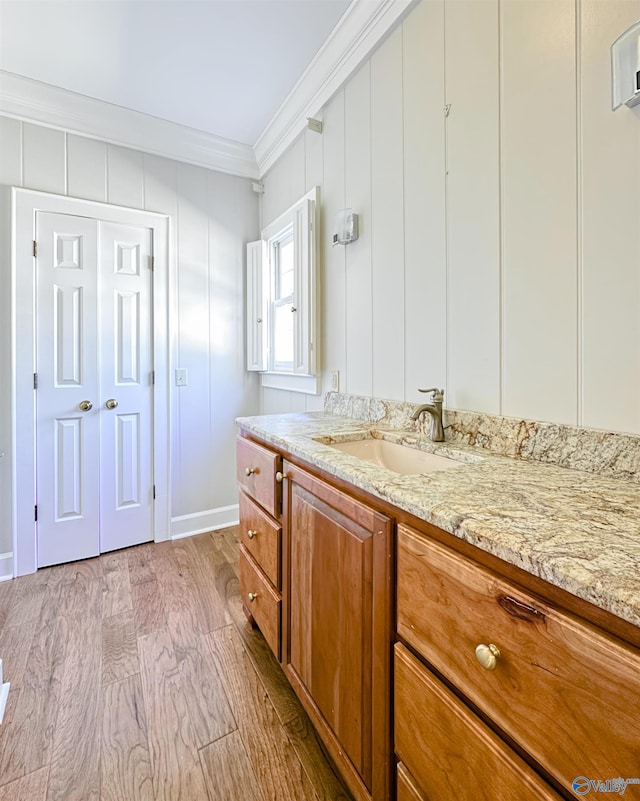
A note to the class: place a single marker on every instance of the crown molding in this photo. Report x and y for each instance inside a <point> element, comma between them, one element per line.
<point>33,101</point>
<point>362,27</point>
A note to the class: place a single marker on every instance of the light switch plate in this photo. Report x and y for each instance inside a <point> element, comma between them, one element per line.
<point>181,377</point>
<point>335,381</point>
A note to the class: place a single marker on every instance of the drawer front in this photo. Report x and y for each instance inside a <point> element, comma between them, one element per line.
<point>568,693</point>
<point>261,536</point>
<point>261,600</point>
<point>407,789</point>
<point>256,474</point>
<point>448,750</point>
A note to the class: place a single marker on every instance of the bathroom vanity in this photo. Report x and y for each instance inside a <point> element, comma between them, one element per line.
<point>463,633</point>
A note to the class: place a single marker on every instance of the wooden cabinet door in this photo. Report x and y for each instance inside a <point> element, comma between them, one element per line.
<point>337,572</point>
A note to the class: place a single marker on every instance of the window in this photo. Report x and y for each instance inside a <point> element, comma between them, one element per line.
<point>281,300</point>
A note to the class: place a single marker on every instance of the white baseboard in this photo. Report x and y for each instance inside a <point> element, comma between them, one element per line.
<point>4,694</point>
<point>198,523</point>
<point>6,566</point>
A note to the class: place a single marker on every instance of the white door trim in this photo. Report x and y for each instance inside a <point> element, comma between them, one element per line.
<point>24,205</point>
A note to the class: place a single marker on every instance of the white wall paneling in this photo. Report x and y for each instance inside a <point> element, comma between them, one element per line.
<point>424,201</point>
<point>11,150</point>
<point>387,220</point>
<point>332,199</point>
<point>533,308</point>
<point>217,380</point>
<point>539,213</point>
<point>610,230</point>
<point>473,196</point>
<point>44,159</point>
<point>125,177</point>
<point>86,168</point>
<point>359,329</point>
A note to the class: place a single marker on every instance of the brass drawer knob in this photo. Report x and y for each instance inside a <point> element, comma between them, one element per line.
<point>252,596</point>
<point>488,655</point>
<point>251,534</point>
<point>280,477</point>
<point>249,471</point>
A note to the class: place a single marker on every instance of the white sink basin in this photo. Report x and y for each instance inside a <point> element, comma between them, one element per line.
<point>399,458</point>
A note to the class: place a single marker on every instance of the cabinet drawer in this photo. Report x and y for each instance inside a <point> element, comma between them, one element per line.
<point>566,692</point>
<point>261,600</point>
<point>448,750</point>
<point>256,474</point>
<point>261,536</point>
<point>406,786</point>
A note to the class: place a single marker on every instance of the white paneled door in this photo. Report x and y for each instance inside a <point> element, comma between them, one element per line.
<point>94,395</point>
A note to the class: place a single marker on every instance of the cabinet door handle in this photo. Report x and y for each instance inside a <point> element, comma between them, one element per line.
<point>251,534</point>
<point>252,596</point>
<point>280,477</point>
<point>249,471</point>
<point>488,655</point>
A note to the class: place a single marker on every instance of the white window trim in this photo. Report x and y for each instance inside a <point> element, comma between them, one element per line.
<point>303,216</point>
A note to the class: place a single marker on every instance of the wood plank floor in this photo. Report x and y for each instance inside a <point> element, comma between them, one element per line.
<point>135,677</point>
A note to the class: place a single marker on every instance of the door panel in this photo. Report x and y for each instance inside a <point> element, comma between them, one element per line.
<point>126,486</point>
<point>67,472</point>
<point>94,467</point>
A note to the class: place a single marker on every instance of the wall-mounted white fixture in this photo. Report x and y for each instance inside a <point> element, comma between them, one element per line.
<point>625,68</point>
<point>314,125</point>
<point>345,227</point>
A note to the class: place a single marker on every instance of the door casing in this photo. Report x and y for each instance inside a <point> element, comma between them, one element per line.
<point>25,204</point>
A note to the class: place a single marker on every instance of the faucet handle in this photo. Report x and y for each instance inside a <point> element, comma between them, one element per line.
<point>438,394</point>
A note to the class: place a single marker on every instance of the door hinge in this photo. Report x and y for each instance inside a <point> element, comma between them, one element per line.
<point>35,513</point>
<point>153,262</point>
<point>154,492</point>
<point>35,381</point>
<point>153,376</point>
<point>35,249</point>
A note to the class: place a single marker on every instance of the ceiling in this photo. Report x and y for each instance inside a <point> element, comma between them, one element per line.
<point>219,66</point>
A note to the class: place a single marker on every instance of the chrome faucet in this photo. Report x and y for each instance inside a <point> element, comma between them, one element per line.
<point>436,431</point>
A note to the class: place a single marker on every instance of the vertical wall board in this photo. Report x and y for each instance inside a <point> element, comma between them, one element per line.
<point>313,160</point>
<point>473,205</point>
<point>44,163</point>
<point>297,166</point>
<point>539,210</point>
<point>86,168</point>
<point>192,491</point>
<point>269,401</point>
<point>277,184</point>
<point>387,219</point>
<point>6,437</point>
<point>10,152</point>
<point>225,270</point>
<point>246,230</point>
<point>125,184</point>
<point>314,403</point>
<point>610,230</point>
<point>424,200</point>
<point>332,290</point>
<point>359,332</point>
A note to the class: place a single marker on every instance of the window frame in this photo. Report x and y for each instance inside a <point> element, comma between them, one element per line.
<point>299,223</point>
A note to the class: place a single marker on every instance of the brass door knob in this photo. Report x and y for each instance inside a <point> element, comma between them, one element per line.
<point>249,471</point>
<point>85,405</point>
<point>280,477</point>
<point>251,534</point>
<point>112,403</point>
<point>252,596</point>
<point>488,655</point>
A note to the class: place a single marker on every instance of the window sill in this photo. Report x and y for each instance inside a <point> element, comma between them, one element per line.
<point>308,384</point>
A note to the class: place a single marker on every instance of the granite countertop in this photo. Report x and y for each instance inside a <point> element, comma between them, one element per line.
<point>576,530</point>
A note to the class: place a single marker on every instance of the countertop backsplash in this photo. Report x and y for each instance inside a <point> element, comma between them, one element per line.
<point>609,454</point>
